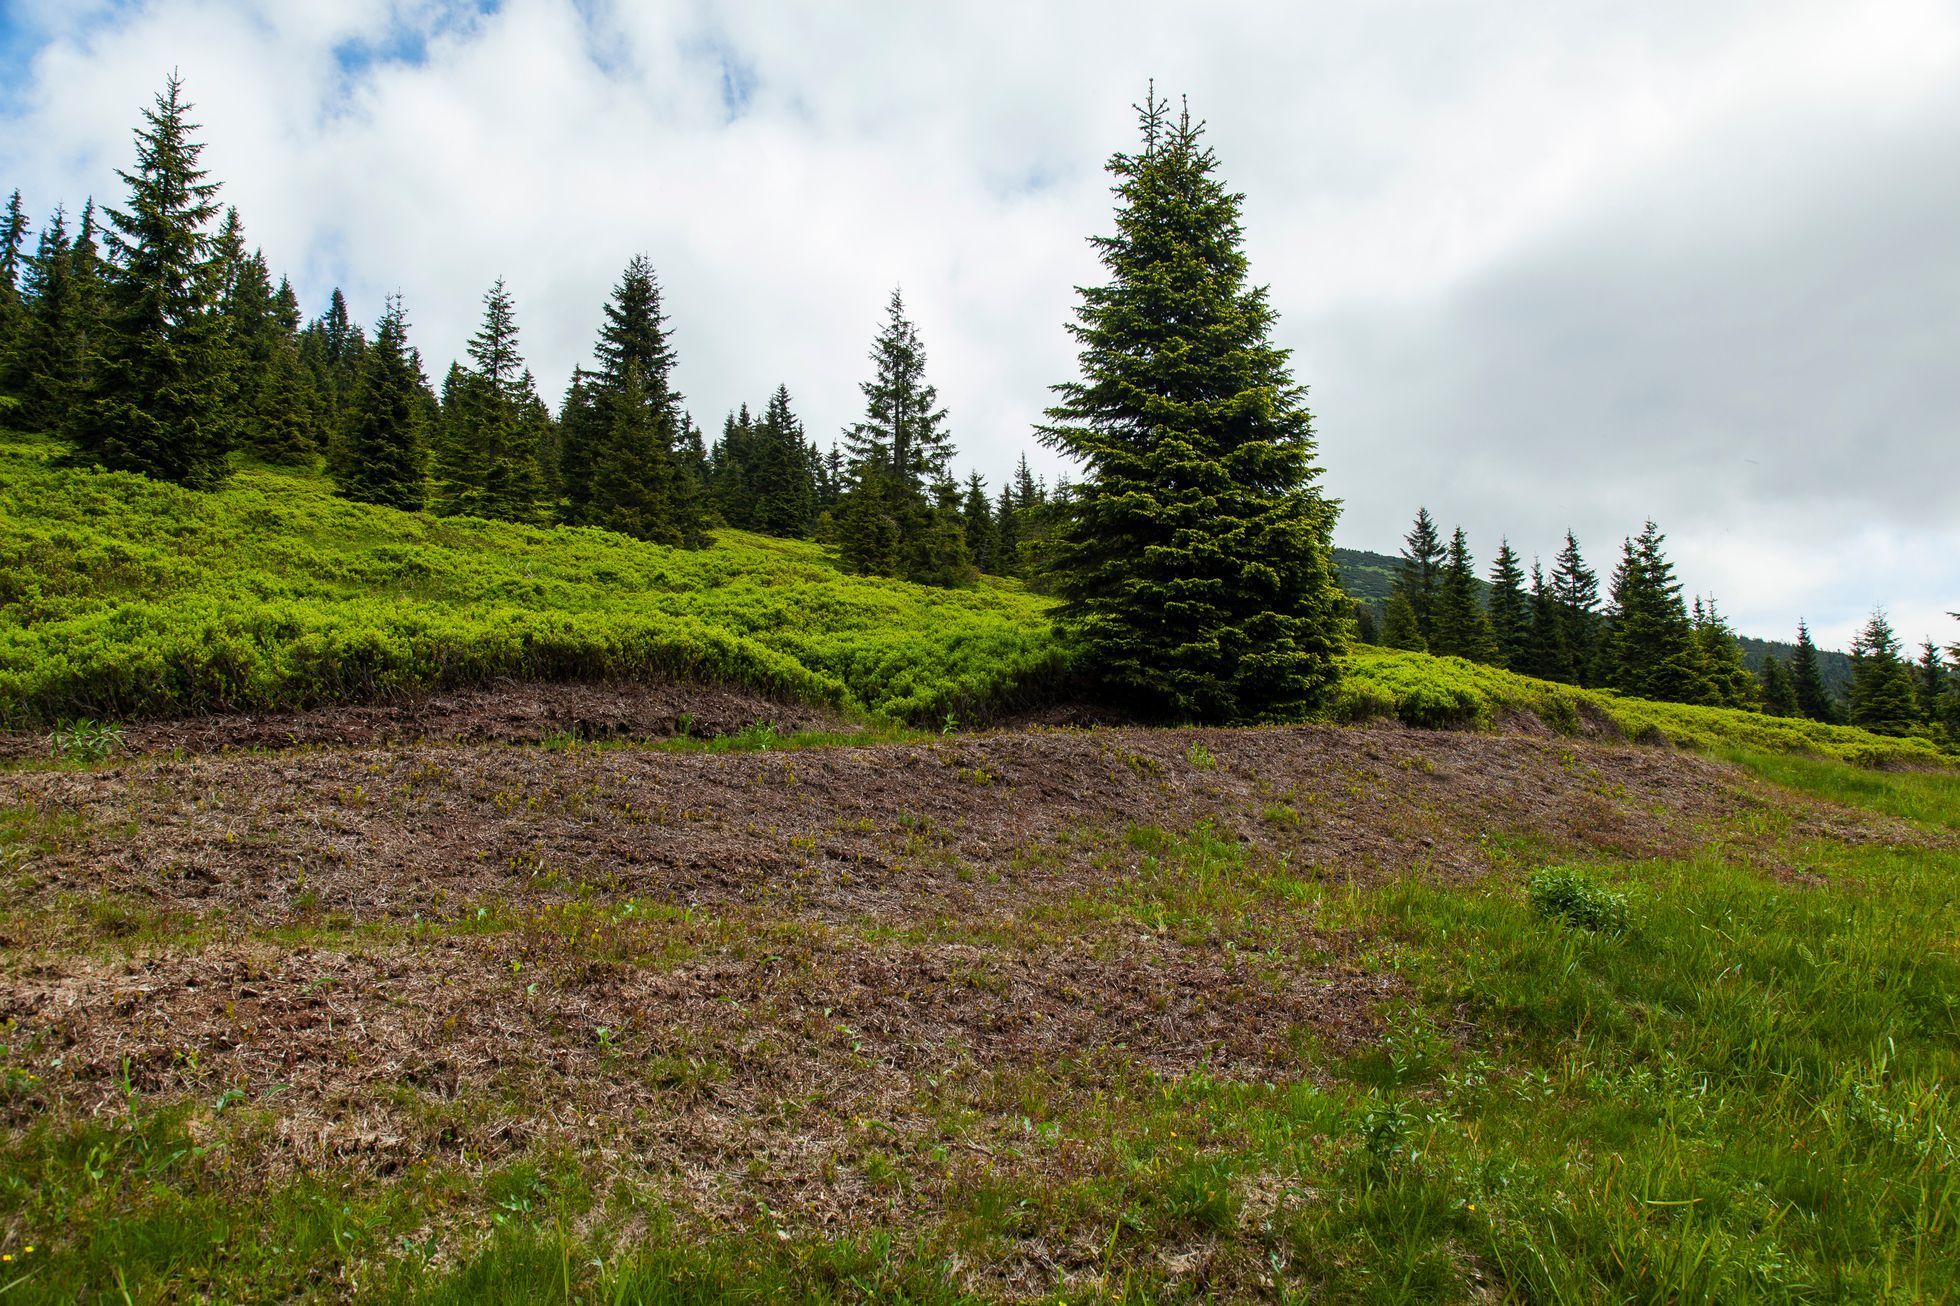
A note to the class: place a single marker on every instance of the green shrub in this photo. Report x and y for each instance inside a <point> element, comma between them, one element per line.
<point>1565,893</point>
<point>124,597</point>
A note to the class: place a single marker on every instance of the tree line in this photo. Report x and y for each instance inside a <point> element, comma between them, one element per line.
<point>1643,638</point>
<point>1192,559</point>
<point>154,340</point>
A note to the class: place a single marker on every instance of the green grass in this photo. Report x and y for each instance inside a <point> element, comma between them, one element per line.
<point>1448,692</point>
<point>120,597</point>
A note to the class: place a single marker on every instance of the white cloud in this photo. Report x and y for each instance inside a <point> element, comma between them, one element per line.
<point>1542,263</point>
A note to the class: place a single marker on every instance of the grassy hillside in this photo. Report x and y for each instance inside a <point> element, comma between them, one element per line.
<point>121,596</point>
<point>1428,691</point>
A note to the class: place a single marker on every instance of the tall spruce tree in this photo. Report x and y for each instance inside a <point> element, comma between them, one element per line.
<point>387,455</point>
<point>1195,560</point>
<point>155,397</point>
<point>13,243</point>
<point>1510,610</point>
<point>487,462</point>
<point>1575,590</point>
<point>1421,573</point>
<point>634,334</point>
<point>1650,648</point>
<point>1882,697</point>
<point>902,416</point>
<point>1814,698</point>
<point>638,488</point>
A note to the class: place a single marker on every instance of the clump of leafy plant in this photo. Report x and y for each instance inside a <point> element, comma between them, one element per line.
<point>1568,894</point>
<point>85,740</point>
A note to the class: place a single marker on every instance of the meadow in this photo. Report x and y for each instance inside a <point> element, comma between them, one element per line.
<point>1482,988</point>
<point>1638,1027</point>
<point>123,597</point>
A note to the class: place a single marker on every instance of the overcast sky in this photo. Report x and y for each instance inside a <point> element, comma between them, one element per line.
<point>1540,263</point>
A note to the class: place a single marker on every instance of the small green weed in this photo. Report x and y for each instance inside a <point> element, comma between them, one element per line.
<point>1568,894</point>
<point>85,740</point>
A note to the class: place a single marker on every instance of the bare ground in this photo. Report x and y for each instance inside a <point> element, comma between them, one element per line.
<point>732,970</point>
<point>509,712</point>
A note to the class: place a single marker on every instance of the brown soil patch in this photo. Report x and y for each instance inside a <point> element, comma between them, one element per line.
<point>508,712</point>
<point>964,827</point>
<point>471,1048</point>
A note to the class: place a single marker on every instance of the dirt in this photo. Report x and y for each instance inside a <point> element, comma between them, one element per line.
<point>957,828</point>
<point>732,969</point>
<point>508,712</point>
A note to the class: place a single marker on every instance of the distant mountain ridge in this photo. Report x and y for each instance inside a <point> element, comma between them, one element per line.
<point>1370,577</point>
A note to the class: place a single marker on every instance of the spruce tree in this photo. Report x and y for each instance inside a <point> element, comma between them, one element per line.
<point>1007,534</point>
<point>1421,573</point>
<point>1882,697</point>
<point>1400,629</point>
<point>1779,692</point>
<point>270,401</point>
<point>1814,699</point>
<point>1650,648</point>
<point>488,459</point>
<point>637,486</point>
<point>902,416</point>
<point>1575,591</point>
<point>1510,611</point>
<point>155,396</point>
<point>387,461</point>
<point>1545,655</point>
<point>45,369</point>
<point>869,520</point>
<point>934,549</point>
<point>731,470</point>
<point>1366,629</point>
<point>1194,560</point>
<point>785,496</point>
<point>634,334</point>
<point>1931,679</point>
<point>13,240</point>
<point>1458,625</point>
<point>977,519</point>
<point>1725,676</point>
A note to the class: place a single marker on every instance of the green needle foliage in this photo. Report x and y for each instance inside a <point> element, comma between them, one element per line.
<point>1882,696</point>
<point>487,462</point>
<point>156,403</point>
<point>387,459</point>
<point>1420,574</point>
<point>1510,610</point>
<point>1460,628</point>
<point>1195,564</point>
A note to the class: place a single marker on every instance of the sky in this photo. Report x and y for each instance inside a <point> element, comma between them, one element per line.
<point>1541,263</point>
